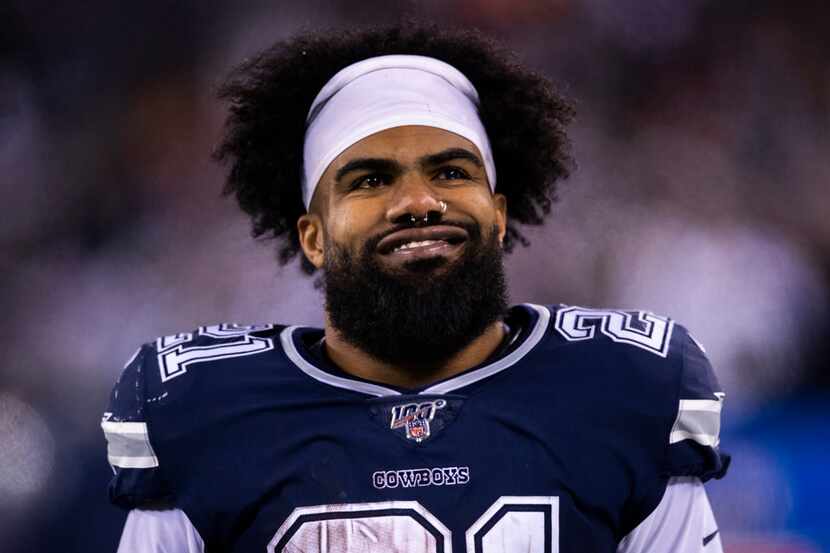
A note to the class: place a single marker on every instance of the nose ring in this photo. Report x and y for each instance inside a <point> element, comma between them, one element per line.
<point>442,204</point>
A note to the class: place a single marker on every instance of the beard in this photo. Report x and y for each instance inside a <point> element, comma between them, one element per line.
<point>422,314</point>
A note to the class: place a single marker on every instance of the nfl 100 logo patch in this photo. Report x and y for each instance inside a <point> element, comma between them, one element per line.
<point>416,417</point>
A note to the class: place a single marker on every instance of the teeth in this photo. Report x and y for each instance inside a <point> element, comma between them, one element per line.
<point>410,245</point>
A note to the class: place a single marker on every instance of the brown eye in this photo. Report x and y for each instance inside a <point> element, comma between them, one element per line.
<point>453,173</point>
<point>368,182</point>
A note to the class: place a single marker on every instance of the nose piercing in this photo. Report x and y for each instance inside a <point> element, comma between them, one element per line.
<point>413,220</point>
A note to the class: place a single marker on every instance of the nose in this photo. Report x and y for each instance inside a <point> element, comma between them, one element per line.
<point>413,199</point>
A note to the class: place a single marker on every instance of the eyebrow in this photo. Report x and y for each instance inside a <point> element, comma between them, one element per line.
<point>369,164</point>
<point>449,155</point>
<point>391,166</point>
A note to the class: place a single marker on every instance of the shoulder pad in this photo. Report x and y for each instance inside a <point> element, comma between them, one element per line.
<point>693,439</point>
<point>145,384</point>
<point>136,478</point>
<point>695,436</point>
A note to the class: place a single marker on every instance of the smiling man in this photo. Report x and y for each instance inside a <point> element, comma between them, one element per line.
<point>426,416</point>
<point>399,262</point>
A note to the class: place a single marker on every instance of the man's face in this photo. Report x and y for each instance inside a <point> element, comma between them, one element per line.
<point>372,189</point>
<point>406,280</point>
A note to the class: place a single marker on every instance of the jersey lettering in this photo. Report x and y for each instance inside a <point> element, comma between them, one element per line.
<point>517,524</point>
<point>510,525</point>
<point>388,526</point>
<point>175,355</point>
<point>636,328</point>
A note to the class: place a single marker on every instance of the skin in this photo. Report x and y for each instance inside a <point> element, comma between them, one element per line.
<point>355,201</point>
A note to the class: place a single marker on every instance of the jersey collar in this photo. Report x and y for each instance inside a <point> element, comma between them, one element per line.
<point>532,338</point>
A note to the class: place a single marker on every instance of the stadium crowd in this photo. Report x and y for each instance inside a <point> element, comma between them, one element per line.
<point>702,139</point>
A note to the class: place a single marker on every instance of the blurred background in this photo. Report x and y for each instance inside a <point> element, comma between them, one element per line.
<point>702,193</point>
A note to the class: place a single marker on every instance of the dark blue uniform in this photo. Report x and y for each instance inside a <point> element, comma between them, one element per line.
<point>564,441</point>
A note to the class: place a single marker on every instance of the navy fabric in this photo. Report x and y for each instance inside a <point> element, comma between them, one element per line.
<point>132,487</point>
<point>689,458</point>
<point>243,441</point>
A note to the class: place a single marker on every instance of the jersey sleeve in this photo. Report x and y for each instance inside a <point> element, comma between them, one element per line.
<point>169,530</point>
<point>694,439</point>
<point>682,523</point>
<point>137,480</point>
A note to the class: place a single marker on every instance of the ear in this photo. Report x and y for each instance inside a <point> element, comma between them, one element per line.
<point>500,205</point>
<point>310,227</point>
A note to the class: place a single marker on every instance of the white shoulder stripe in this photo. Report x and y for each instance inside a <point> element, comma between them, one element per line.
<point>128,445</point>
<point>698,420</point>
<point>711,405</point>
<point>133,462</point>
<point>112,427</point>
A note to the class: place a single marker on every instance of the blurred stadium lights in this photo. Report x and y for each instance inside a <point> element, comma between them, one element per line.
<point>27,452</point>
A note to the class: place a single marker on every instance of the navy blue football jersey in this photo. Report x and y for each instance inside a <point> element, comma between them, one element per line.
<point>563,442</point>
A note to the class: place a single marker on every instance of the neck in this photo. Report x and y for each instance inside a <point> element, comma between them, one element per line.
<point>359,363</point>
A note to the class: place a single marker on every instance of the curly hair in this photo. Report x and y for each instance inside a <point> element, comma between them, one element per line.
<point>270,95</point>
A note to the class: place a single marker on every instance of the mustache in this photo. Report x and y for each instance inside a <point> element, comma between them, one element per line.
<point>472,229</point>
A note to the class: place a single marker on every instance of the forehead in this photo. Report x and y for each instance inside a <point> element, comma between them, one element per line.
<point>403,144</point>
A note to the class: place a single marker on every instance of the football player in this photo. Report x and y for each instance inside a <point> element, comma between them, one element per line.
<point>427,415</point>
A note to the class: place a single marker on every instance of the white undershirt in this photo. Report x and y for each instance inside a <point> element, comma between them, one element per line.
<point>168,531</point>
<point>679,524</point>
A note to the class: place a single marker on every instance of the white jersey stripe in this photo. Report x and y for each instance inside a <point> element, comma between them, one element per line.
<point>128,445</point>
<point>133,462</point>
<point>698,420</point>
<point>711,405</point>
<point>112,427</point>
<point>702,439</point>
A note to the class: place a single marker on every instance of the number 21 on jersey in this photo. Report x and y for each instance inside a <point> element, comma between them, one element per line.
<point>510,525</point>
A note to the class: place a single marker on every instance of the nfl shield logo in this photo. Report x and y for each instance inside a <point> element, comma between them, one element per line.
<point>415,418</point>
<point>417,429</point>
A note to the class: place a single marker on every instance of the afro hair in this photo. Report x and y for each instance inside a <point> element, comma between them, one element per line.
<point>271,93</point>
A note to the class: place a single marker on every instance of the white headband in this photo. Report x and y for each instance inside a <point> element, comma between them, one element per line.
<point>385,92</point>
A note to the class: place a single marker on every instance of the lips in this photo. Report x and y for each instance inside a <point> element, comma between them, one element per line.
<point>436,235</point>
